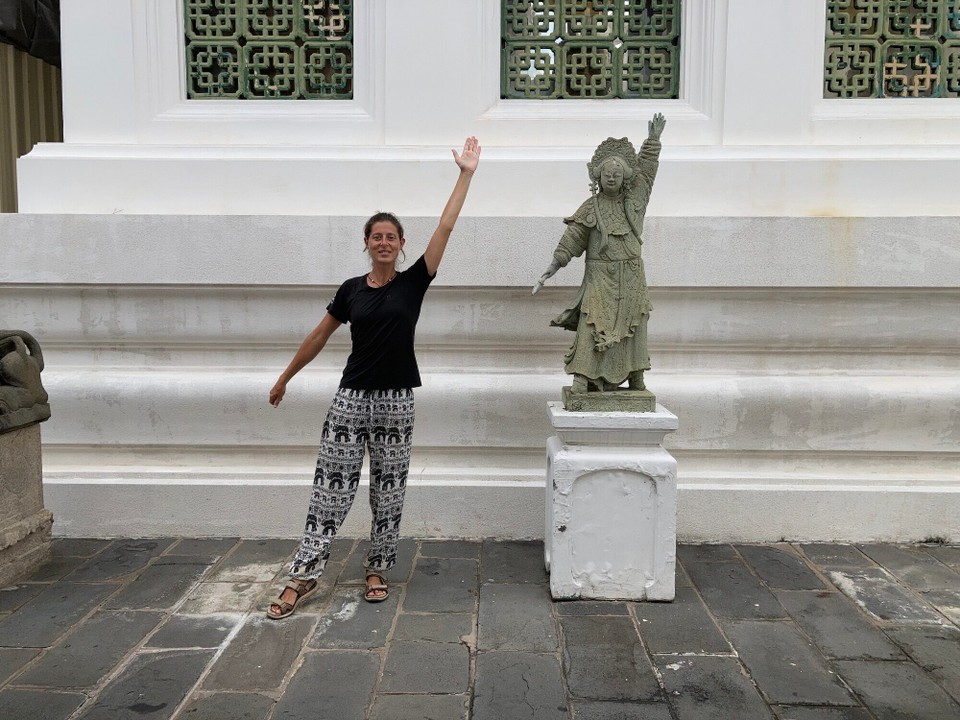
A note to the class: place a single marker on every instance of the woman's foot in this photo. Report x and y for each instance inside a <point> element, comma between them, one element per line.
<point>377,590</point>
<point>293,592</point>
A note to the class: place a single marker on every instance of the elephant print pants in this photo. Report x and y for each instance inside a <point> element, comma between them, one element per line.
<point>382,422</point>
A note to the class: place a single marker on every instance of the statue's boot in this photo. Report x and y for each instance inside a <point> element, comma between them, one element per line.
<point>579,384</point>
<point>635,380</point>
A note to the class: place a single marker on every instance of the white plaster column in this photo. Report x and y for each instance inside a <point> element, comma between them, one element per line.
<point>611,505</point>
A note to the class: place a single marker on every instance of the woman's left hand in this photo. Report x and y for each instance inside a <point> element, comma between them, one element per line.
<point>468,160</point>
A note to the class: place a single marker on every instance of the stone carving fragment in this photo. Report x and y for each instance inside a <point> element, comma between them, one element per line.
<point>23,401</point>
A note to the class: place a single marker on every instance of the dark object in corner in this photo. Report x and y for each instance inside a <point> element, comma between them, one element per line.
<point>32,26</point>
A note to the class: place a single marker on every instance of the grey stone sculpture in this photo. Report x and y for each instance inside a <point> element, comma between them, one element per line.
<point>23,401</point>
<point>610,313</point>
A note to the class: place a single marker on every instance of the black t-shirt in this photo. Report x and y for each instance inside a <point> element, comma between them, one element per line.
<point>382,325</point>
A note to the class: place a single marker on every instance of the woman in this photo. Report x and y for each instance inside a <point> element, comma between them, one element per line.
<point>373,407</point>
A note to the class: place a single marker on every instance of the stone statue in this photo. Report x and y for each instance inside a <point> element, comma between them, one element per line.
<point>611,310</point>
<point>23,401</point>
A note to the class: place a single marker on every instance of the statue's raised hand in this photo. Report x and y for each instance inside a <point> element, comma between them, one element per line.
<point>551,271</point>
<point>656,126</point>
<point>468,160</point>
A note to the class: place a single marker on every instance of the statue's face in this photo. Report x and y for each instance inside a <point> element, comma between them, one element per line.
<point>611,177</point>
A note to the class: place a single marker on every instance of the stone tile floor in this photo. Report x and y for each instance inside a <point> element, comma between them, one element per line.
<point>174,628</point>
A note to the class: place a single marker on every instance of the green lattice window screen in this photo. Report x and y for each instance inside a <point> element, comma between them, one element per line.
<point>892,49</point>
<point>590,49</point>
<point>269,49</point>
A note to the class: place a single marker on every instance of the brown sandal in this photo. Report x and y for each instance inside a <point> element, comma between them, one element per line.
<point>382,585</point>
<point>303,589</point>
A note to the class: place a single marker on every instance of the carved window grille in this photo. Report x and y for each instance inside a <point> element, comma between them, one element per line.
<point>269,49</point>
<point>892,49</point>
<point>590,49</point>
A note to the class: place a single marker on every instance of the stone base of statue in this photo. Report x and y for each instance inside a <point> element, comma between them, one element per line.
<point>611,531</point>
<point>619,400</point>
<point>24,523</point>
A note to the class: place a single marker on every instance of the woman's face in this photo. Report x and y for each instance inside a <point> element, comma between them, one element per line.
<point>384,242</point>
<point>611,177</point>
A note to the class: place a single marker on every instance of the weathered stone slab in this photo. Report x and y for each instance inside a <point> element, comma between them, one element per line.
<point>255,561</point>
<point>422,667</point>
<point>591,607</point>
<point>12,659</point>
<point>77,547</point>
<point>914,567</point>
<point>355,572</point>
<point>779,567</point>
<point>194,631</point>
<point>349,622</point>
<point>837,627</point>
<point>202,549</point>
<point>85,656</point>
<point>516,617</point>
<point>604,710</point>
<point>683,626</point>
<point>879,594</point>
<point>348,676</point>
<point>54,568</point>
<point>706,553</point>
<point>947,554</point>
<point>519,686</point>
<point>945,601</point>
<point>833,555</point>
<point>120,559</point>
<point>51,613</point>
<point>897,691</point>
<point>512,562</point>
<point>260,654</point>
<point>451,549</point>
<point>731,591</point>
<point>442,585</point>
<point>619,400</point>
<point>420,707</point>
<point>38,704</point>
<point>162,585</point>
<point>711,688</point>
<point>434,627</point>
<point>604,659</point>
<point>821,713</point>
<point>227,597</point>
<point>152,685</point>
<point>936,650</point>
<point>785,665</point>
<point>13,596</point>
<point>228,706</point>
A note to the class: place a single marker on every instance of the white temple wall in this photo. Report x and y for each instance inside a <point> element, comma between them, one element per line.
<point>802,255</point>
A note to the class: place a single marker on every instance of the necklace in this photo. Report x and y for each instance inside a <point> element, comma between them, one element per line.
<point>379,284</point>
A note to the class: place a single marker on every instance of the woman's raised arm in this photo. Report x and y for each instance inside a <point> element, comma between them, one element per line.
<point>467,161</point>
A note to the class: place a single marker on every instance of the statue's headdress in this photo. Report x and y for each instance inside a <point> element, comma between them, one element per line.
<point>621,150</point>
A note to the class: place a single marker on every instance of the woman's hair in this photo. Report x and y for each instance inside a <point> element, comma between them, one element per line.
<point>381,217</point>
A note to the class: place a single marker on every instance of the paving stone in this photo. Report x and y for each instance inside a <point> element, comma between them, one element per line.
<point>785,665</point>
<point>225,597</point>
<point>51,613</point>
<point>12,659</point>
<point>808,712</point>
<point>833,555</point>
<point>512,562</point>
<point>255,561</point>
<point>228,706</point>
<point>14,596</point>
<point>878,593</point>
<point>914,567</point>
<point>349,622</point>
<point>591,607</point>
<point>936,650</point>
<point>706,553</point>
<point>77,547</point>
<point>119,559</point>
<point>711,688</point>
<point>947,554</point>
<point>259,656</point>
<point>837,627</point>
<point>355,572</point>
<point>897,691</point>
<point>516,617</point>
<point>209,549</point>
<point>420,707</point>
<point>348,678</point>
<point>683,626</point>
<point>594,710</point>
<point>519,686</point>
<point>946,601</point>
<point>162,585</point>
<point>442,585</point>
<point>54,569</point>
<point>422,667</point>
<point>451,549</point>
<point>85,656</point>
<point>195,631</point>
<point>731,591</point>
<point>780,567</point>
<point>434,627</point>
<point>152,685</point>
<point>19,704</point>
<point>682,579</point>
<point>604,659</point>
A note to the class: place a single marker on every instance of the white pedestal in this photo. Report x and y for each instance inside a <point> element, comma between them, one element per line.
<point>611,529</point>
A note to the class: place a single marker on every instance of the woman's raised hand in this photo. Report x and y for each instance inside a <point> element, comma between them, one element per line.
<point>468,160</point>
